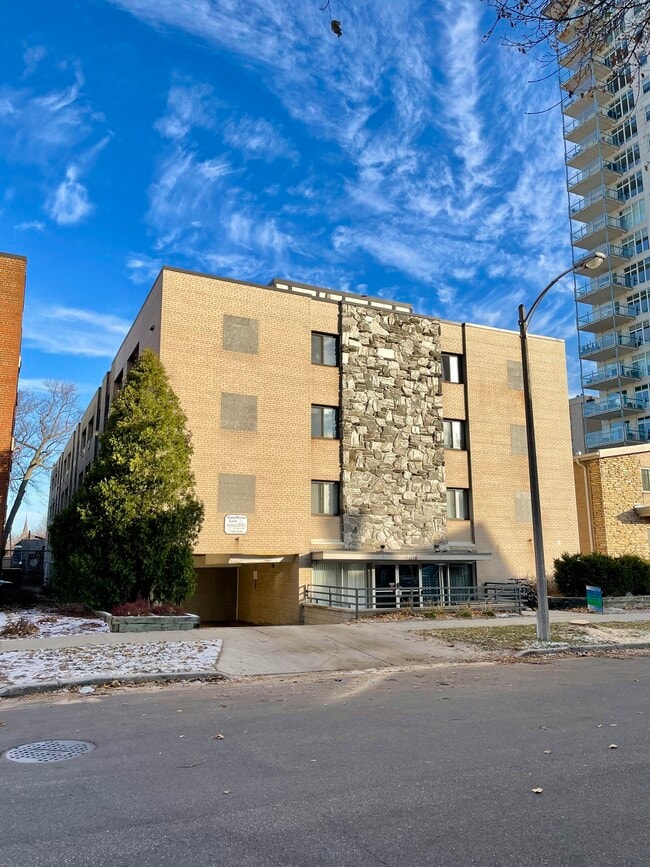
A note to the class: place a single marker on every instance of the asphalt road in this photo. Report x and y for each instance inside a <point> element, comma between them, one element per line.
<point>423,767</point>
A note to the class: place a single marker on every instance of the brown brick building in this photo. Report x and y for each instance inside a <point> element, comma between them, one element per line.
<point>12,296</point>
<point>346,444</point>
<point>613,500</point>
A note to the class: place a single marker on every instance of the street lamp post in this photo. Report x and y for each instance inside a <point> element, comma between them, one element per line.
<point>590,262</point>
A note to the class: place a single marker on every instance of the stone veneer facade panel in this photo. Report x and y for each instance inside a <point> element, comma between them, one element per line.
<point>614,490</point>
<point>393,479</point>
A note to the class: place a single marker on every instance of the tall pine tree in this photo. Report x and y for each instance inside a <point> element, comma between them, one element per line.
<point>129,530</point>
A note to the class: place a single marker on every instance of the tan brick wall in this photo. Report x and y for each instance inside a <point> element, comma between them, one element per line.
<point>584,506</point>
<point>269,595</point>
<point>615,488</point>
<point>281,453</point>
<point>12,297</point>
<point>497,475</point>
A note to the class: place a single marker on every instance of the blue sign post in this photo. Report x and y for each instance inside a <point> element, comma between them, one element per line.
<point>594,599</point>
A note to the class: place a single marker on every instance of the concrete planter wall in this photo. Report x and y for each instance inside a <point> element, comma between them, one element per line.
<point>628,601</point>
<point>150,623</point>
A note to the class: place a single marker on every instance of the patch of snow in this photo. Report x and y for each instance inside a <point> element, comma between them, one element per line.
<point>51,624</point>
<point>108,660</point>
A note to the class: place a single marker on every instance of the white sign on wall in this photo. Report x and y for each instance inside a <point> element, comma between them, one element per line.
<point>235,525</point>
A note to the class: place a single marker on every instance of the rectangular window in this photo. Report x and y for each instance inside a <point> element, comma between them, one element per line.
<point>645,481</point>
<point>453,433</point>
<point>630,187</point>
<point>637,273</point>
<point>628,159</point>
<point>325,422</point>
<point>457,504</point>
<point>452,367</point>
<point>622,106</point>
<point>636,243</point>
<point>324,498</point>
<point>625,131</point>
<point>633,215</point>
<point>324,349</point>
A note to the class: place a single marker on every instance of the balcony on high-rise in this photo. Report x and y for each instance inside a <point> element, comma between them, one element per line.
<point>602,199</point>
<point>607,318</point>
<point>576,70</point>
<point>611,375</point>
<point>614,406</point>
<point>597,174</point>
<point>604,228</point>
<point>608,346</point>
<point>591,92</point>
<point>620,434</point>
<point>602,289</point>
<point>593,118</point>
<point>598,144</point>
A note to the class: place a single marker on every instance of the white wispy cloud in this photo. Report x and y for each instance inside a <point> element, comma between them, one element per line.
<point>189,105</point>
<point>442,177</point>
<point>25,226</point>
<point>70,203</point>
<point>32,57</point>
<point>142,268</point>
<point>257,138</point>
<point>62,330</point>
<point>59,132</point>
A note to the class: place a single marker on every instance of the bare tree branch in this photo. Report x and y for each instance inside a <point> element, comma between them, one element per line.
<point>44,422</point>
<point>617,30</point>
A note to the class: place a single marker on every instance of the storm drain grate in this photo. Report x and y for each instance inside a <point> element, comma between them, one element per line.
<point>49,751</point>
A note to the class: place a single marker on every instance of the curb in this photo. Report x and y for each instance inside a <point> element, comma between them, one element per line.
<point>581,648</point>
<point>17,690</point>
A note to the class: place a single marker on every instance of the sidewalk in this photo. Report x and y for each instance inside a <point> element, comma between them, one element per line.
<point>259,650</point>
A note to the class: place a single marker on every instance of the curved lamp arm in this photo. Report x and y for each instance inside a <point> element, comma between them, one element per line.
<point>524,317</point>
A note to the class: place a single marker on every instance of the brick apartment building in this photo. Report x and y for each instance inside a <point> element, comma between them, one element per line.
<point>12,296</point>
<point>345,444</point>
<point>613,500</point>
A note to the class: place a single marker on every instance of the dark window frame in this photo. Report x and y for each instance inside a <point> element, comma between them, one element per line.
<point>320,428</point>
<point>463,434</point>
<point>322,484</point>
<point>465,503</point>
<point>446,368</point>
<point>318,348</point>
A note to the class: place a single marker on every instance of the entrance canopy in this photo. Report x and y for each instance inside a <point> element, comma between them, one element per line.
<point>453,555</point>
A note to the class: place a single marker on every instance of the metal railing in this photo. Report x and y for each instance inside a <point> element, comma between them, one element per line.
<point>602,192</point>
<point>359,599</point>
<point>614,280</point>
<point>584,174</point>
<point>612,403</point>
<point>601,223</point>
<point>609,341</point>
<point>607,311</point>
<point>596,138</point>
<point>616,435</point>
<point>612,371</point>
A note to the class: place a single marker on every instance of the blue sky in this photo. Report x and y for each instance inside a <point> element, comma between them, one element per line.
<point>240,137</point>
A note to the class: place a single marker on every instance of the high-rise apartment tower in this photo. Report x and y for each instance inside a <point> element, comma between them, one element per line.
<point>606,118</point>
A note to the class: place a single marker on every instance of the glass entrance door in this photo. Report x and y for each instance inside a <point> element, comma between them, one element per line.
<point>385,585</point>
<point>409,585</point>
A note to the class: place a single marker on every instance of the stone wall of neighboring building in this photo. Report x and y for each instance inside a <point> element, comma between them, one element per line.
<point>12,296</point>
<point>392,461</point>
<point>607,497</point>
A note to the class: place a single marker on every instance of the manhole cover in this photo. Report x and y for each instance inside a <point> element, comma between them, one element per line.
<point>49,751</point>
